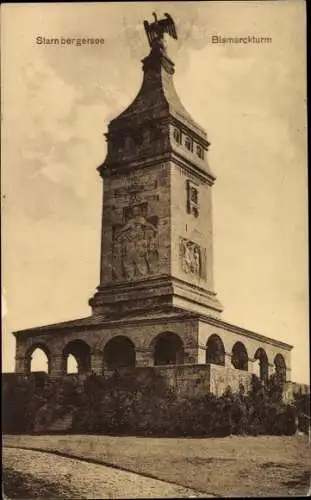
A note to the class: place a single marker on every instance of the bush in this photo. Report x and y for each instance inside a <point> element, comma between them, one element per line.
<point>302,405</point>
<point>141,404</point>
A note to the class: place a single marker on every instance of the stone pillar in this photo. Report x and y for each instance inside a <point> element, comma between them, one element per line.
<point>288,374</point>
<point>191,353</point>
<point>228,356</point>
<point>97,361</point>
<point>144,356</point>
<point>202,354</point>
<point>288,396</point>
<point>57,366</point>
<point>251,362</point>
<point>271,369</point>
<point>22,364</point>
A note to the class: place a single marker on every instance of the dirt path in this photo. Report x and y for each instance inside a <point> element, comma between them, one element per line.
<point>236,466</point>
<point>89,480</point>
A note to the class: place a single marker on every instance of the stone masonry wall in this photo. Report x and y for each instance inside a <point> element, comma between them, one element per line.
<point>148,192</point>
<point>142,334</point>
<point>194,229</point>
<point>222,377</point>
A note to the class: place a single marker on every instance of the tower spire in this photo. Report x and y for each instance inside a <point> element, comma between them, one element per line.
<point>145,128</point>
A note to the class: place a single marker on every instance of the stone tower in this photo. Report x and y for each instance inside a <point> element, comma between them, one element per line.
<point>156,305</point>
<point>157,238</point>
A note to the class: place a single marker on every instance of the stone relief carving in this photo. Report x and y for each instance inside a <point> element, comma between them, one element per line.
<point>192,257</point>
<point>135,249</point>
<point>135,187</point>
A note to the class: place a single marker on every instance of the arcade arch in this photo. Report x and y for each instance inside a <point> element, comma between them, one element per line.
<point>280,367</point>
<point>119,352</point>
<point>168,349</point>
<point>79,351</point>
<point>36,357</point>
<point>215,351</point>
<point>261,360</point>
<point>239,358</point>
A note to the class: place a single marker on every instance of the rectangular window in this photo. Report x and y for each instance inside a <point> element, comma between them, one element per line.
<point>200,151</point>
<point>177,135</point>
<point>192,198</point>
<point>189,144</point>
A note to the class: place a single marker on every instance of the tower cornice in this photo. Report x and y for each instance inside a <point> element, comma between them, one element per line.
<point>122,167</point>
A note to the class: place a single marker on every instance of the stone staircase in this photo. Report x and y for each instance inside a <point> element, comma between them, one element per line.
<point>59,425</point>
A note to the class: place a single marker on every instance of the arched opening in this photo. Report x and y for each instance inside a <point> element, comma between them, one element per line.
<point>262,360</point>
<point>239,358</point>
<point>77,357</point>
<point>280,368</point>
<point>168,349</point>
<point>37,359</point>
<point>215,351</point>
<point>72,364</point>
<point>119,352</point>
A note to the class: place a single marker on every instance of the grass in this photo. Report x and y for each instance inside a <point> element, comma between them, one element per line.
<point>25,485</point>
<point>231,466</point>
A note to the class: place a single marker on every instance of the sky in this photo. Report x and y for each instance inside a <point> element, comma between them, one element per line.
<point>57,102</point>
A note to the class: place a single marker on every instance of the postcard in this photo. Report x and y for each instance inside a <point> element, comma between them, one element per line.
<point>155,271</point>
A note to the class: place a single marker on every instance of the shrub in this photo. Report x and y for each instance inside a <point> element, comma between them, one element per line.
<point>302,405</point>
<point>141,404</point>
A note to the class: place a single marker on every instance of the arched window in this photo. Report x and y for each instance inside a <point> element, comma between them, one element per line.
<point>215,351</point>
<point>119,352</point>
<point>262,359</point>
<point>38,359</point>
<point>280,367</point>
<point>189,144</point>
<point>77,357</point>
<point>177,135</point>
<point>168,349</point>
<point>239,358</point>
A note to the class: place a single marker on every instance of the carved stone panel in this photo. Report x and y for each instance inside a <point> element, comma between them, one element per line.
<point>192,258</point>
<point>135,244</point>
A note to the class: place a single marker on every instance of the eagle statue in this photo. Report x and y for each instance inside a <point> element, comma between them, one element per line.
<point>155,31</point>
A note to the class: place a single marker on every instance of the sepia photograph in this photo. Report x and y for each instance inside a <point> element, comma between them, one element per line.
<point>154,205</point>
